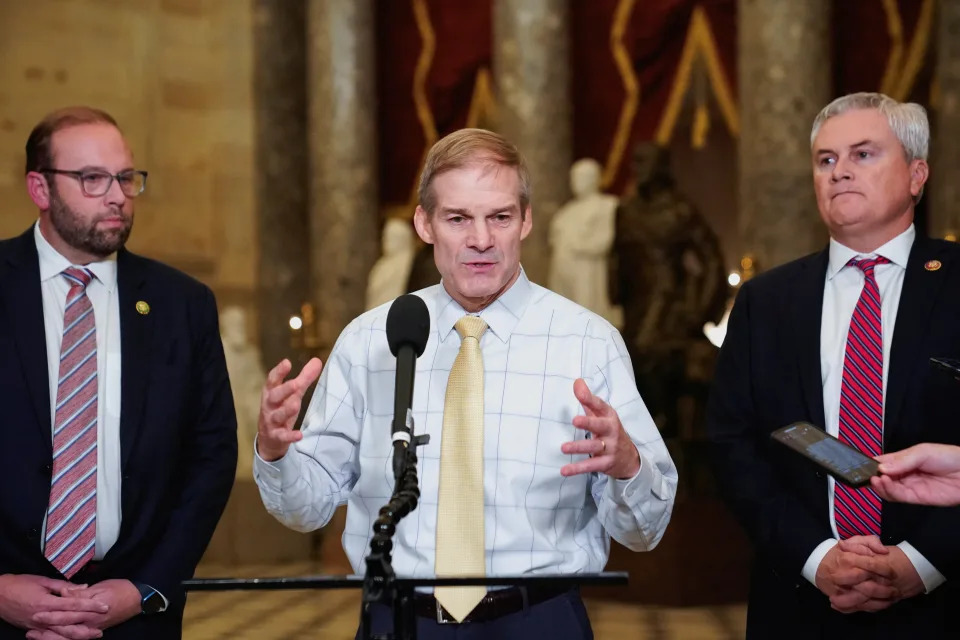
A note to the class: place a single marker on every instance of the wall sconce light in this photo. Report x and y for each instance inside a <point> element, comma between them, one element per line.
<point>304,330</point>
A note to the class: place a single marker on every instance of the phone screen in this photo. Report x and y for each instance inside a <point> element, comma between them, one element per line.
<point>836,455</point>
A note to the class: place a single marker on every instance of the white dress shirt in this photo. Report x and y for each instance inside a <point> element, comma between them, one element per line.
<point>536,520</point>
<point>102,292</point>
<point>841,293</point>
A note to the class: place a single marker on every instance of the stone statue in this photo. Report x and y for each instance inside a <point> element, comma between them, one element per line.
<point>581,237</point>
<point>246,380</point>
<point>668,273</point>
<point>389,275</point>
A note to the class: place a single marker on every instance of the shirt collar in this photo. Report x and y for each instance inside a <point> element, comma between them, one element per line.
<point>52,263</point>
<point>896,251</point>
<point>501,316</point>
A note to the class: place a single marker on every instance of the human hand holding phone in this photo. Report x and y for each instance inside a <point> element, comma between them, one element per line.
<point>923,474</point>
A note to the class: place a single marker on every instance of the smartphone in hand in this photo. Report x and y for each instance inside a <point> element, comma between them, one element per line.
<point>848,465</point>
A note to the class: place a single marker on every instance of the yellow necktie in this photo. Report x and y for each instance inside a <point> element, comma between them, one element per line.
<point>460,544</point>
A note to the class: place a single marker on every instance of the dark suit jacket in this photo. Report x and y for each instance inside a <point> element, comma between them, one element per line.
<point>768,376</point>
<point>177,430</point>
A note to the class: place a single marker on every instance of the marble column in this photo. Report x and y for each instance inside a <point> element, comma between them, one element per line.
<point>531,53</point>
<point>344,218</point>
<point>784,78</point>
<point>281,158</point>
<point>944,213</point>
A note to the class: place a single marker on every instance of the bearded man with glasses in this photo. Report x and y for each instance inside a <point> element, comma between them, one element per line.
<point>117,423</point>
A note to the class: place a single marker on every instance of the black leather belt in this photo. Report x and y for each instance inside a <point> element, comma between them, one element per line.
<point>494,605</point>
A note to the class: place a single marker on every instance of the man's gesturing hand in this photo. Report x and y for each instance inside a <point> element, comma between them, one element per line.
<point>280,406</point>
<point>611,449</point>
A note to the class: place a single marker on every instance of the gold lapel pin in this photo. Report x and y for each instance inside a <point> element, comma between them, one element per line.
<point>933,265</point>
<point>143,308</point>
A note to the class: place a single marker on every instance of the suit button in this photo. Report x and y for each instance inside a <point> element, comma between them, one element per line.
<point>47,468</point>
<point>34,534</point>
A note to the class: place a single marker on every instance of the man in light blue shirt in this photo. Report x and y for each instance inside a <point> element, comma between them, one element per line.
<point>571,455</point>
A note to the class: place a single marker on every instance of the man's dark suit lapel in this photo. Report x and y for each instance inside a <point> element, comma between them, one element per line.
<point>807,303</point>
<point>135,360</point>
<point>20,289</point>
<point>921,288</point>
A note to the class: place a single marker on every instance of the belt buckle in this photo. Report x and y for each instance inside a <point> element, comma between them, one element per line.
<point>442,616</point>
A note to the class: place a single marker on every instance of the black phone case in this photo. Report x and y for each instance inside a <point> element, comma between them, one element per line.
<point>859,479</point>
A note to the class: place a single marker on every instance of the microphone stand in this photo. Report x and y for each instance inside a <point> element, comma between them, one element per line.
<point>379,583</point>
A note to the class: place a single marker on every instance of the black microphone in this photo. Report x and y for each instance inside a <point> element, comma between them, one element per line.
<point>408,327</point>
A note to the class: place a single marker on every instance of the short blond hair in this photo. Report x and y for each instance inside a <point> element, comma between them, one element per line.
<point>469,146</point>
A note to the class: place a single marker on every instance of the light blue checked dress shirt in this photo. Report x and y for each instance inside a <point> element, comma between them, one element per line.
<point>536,520</point>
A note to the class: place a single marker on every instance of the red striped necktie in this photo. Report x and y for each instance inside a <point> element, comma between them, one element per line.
<point>857,511</point>
<point>72,512</point>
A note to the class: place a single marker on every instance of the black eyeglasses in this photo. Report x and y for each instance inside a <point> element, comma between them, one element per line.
<point>95,183</point>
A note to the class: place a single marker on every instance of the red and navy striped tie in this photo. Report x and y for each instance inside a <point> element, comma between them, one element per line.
<point>857,511</point>
<point>72,512</point>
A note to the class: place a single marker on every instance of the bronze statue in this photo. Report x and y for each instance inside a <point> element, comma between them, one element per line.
<point>669,276</point>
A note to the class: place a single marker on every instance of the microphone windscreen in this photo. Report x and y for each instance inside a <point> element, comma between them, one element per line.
<point>408,323</point>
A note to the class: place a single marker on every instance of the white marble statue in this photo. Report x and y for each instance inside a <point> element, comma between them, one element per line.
<point>246,379</point>
<point>389,275</point>
<point>581,237</point>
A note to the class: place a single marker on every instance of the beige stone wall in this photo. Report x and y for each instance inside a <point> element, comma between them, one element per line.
<point>177,76</point>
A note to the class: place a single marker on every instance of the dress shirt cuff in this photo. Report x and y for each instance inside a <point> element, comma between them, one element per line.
<point>810,567</point>
<point>928,573</point>
<point>629,491</point>
<point>276,475</point>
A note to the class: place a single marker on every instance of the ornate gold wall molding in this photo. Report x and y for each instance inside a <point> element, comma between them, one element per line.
<point>421,15</point>
<point>631,87</point>
<point>483,104</point>
<point>900,75</point>
<point>700,44</point>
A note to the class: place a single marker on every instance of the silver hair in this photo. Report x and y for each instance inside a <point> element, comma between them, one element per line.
<point>907,120</point>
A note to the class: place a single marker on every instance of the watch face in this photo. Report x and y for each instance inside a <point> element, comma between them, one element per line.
<point>152,603</point>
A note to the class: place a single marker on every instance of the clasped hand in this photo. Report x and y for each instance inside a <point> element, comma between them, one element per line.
<point>861,574</point>
<point>59,610</point>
